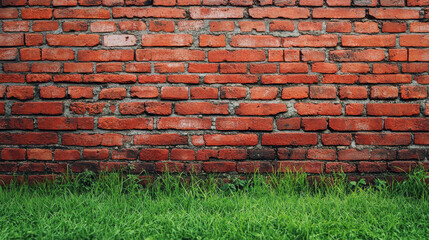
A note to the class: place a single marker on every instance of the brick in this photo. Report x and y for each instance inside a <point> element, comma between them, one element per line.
<point>170,40</point>
<point>372,167</point>
<point>169,55</point>
<point>419,27</point>
<point>393,27</point>
<point>339,13</point>
<point>91,140</point>
<point>16,123</point>
<point>369,55</point>
<point>80,40</point>
<point>233,92</point>
<point>174,93</point>
<point>318,108</point>
<point>353,92</point>
<point>252,41</point>
<point>337,139</point>
<point>406,124</point>
<point>288,123</point>
<point>82,13</point>
<point>353,154</point>
<point>213,167</point>
<point>20,92</point>
<point>274,12</point>
<point>119,40</point>
<point>322,154</point>
<point>263,93</point>
<point>383,154</point>
<point>230,78</point>
<point>233,154</point>
<point>222,26</point>
<point>215,13</point>
<point>247,26</point>
<point>16,26</point>
<point>144,92</point>
<point>285,139</point>
<point>356,124</point>
<point>254,166</point>
<point>342,27</point>
<point>12,39</point>
<point>160,139</point>
<point>282,26</point>
<point>33,39</point>
<point>204,93</point>
<point>283,79</point>
<point>314,124</point>
<point>263,68</point>
<point>137,67</point>
<point>382,68</point>
<point>113,93</point>
<point>159,12</point>
<point>212,41</point>
<point>8,13</point>
<point>190,25</point>
<point>36,13</point>
<point>8,54</point>
<point>354,109</point>
<point>113,123</point>
<point>53,54</point>
<point>105,55</point>
<point>31,138</point>
<point>414,92</point>
<point>108,67</point>
<point>392,109</point>
<point>414,40</point>
<point>328,40</point>
<point>132,108</point>
<point>195,108</point>
<point>368,40</point>
<point>323,92</point>
<point>51,92</point>
<point>420,55</point>
<point>183,123</point>
<point>132,26</point>
<point>35,108</point>
<point>260,109</point>
<point>384,139</point>
<point>322,67</point>
<point>385,78</point>
<point>236,56</point>
<point>231,140</point>
<point>293,68</point>
<point>150,154</point>
<point>16,67</point>
<point>158,108</point>
<point>384,92</point>
<point>380,13</point>
<point>421,139</point>
<point>12,154</point>
<point>414,67</point>
<point>75,26</point>
<point>78,67</point>
<point>244,124</point>
<point>96,154</point>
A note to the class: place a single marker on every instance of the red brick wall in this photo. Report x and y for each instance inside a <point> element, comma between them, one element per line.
<point>214,85</point>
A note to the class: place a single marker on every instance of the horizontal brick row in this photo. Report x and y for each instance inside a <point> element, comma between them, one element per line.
<point>225,139</point>
<point>353,124</point>
<point>25,92</point>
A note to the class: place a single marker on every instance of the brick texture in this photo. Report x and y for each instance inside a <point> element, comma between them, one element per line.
<point>214,86</point>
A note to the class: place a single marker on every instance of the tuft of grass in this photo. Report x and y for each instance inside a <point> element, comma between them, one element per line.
<point>276,206</point>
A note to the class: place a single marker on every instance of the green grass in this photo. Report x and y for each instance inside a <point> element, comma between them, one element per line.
<point>288,207</point>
